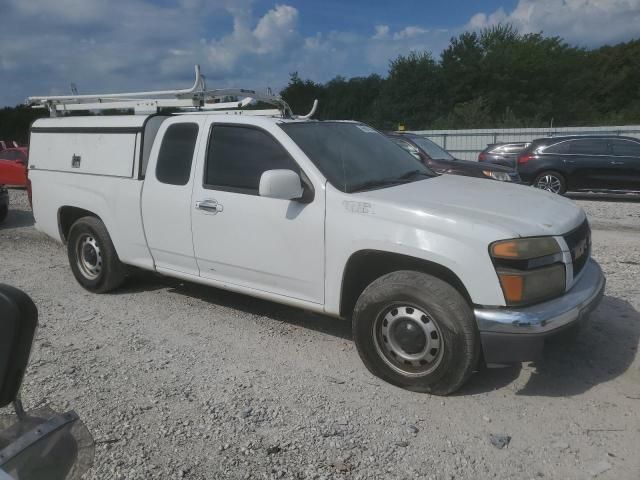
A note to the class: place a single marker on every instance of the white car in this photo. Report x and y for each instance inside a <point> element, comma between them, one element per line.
<point>435,272</point>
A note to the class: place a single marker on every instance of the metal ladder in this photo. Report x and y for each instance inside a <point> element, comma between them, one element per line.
<point>194,99</point>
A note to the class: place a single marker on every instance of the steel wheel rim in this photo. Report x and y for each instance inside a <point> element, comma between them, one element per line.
<point>88,256</point>
<point>390,347</point>
<point>550,183</point>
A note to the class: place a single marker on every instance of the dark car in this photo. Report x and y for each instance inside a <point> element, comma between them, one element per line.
<point>582,163</point>
<point>502,153</point>
<point>4,203</point>
<point>441,161</point>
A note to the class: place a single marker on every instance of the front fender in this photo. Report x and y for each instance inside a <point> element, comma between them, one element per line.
<point>461,247</point>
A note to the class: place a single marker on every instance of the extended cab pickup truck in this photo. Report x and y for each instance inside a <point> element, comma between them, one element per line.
<point>436,273</point>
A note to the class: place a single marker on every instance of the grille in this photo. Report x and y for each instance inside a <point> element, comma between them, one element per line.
<point>579,243</point>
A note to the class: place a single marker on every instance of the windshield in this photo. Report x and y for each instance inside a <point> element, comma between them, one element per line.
<point>355,157</point>
<point>432,149</point>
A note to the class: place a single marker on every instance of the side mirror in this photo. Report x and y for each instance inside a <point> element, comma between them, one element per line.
<point>282,184</point>
<point>18,321</point>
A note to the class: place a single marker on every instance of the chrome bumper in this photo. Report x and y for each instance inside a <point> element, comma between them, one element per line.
<point>520,332</point>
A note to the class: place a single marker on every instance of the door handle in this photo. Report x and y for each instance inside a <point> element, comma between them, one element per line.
<point>617,163</point>
<point>211,206</point>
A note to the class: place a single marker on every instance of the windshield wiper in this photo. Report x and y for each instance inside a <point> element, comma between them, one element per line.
<point>412,174</point>
<point>383,182</point>
<point>380,182</point>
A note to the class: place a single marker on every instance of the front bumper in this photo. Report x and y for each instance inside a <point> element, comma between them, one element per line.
<point>518,334</point>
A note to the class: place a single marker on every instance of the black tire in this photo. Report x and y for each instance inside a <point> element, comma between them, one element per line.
<point>551,181</point>
<point>100,271</point>
<point>447,312</point>
<point>4,211</point>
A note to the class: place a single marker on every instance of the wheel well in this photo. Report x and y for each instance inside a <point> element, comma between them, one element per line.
<point>367,265</point>
<point>67,216</point>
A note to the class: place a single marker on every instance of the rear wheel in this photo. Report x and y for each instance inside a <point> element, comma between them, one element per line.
<point>4,211</point>
<point>552,182</point>
<point>416,331</point>
<point>92,256</point>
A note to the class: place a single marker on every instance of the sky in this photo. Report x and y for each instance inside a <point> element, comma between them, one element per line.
<point>107,46</point>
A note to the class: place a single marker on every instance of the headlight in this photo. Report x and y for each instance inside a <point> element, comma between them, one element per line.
<point>501,176</point>
<point>525,248</point>
<point>530,269</point>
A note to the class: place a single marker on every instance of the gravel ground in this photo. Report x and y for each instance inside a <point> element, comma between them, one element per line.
<point>175,380</point>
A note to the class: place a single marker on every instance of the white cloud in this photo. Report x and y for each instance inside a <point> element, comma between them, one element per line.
<point>587,22</point>
<point>409,32</point>
<point>72,11</point>
<point>382,31</point>
<point>271,35</point>
<point>276,28</point>
<point>119,45</point>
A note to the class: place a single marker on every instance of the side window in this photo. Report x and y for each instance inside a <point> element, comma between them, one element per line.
<point>558,148</point>
<point>625,148</point>
<point>592,146</point>
<point>238,156</point>
<point>176,153</point>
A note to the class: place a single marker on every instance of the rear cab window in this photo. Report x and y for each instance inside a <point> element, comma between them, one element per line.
<point>176,154</point>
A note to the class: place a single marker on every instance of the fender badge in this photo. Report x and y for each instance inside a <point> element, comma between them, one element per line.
<point>358,207</point>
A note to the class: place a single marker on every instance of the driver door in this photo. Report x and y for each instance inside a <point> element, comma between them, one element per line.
<point>240,238</point>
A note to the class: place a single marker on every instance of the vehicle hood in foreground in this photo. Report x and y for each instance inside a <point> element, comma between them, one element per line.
<point>516,210</point>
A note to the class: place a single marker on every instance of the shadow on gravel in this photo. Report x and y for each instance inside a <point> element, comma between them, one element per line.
<point>489,379</point>
<point>17,219</point>
<point>145,281</point>
<point>602,351</point>
<point>605,197</point>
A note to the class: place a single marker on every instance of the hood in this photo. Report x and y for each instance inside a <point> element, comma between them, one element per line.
<point>478,166</point>
<point>517,210</point>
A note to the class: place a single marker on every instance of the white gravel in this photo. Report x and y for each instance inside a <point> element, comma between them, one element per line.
<point>176,380</point>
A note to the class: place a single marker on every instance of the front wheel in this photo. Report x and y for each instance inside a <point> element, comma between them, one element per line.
<point>92,256</point>
<point>416,331</point>
<point>4,211</point>
<point>552,182</point>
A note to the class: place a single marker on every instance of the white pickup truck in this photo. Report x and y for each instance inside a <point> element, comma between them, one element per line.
<point>436,273</point>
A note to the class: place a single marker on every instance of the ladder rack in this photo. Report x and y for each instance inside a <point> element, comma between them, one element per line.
<point>196,98</point>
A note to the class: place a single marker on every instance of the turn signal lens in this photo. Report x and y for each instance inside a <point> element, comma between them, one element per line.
<point>525,248</point>
<point>508,249</point>
<point>527,287</point>
<point>512,286</point>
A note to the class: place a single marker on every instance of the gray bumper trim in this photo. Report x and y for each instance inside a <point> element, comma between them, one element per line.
<point>546,317</point>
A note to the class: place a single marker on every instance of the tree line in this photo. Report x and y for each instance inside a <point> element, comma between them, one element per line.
<point>493,78</point>
<point>497,77</point>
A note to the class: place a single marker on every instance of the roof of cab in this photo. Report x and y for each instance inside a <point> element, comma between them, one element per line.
<point>138,121</point>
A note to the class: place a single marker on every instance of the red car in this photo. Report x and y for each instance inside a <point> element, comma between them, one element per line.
<point>13,166</point>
